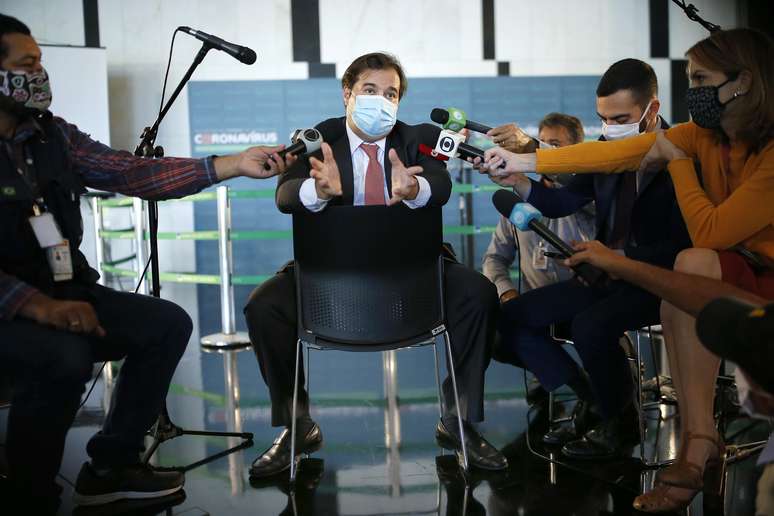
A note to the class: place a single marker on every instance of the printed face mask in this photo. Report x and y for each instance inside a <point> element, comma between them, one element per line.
<point>30,90</point>
<point>704,105</point>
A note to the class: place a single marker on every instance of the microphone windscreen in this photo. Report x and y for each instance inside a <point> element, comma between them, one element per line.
<point>439,116</point>
<point>313,145</point>
<point>504,201</point>
<point>247,55</point>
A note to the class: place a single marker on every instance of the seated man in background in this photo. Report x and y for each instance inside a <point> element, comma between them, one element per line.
<point>363,164</point>
<point>535,268</point>
<point>638,217</point>
<point>55,320</point>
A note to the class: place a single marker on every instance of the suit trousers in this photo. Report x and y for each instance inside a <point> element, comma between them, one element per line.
<point>471,311</point>
<point>598,319</point>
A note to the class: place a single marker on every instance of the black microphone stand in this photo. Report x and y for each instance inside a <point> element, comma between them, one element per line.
<point>165,429</point>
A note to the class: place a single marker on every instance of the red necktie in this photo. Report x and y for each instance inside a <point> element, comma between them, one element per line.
<point>374,178</point>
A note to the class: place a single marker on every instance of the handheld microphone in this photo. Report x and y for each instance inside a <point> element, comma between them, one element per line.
<point>526,217</point>
<point>303,142</point>
<point>243,54</point>
<point>455,120</point>
<point>452,145</point>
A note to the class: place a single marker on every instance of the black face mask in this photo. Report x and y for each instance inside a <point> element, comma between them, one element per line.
<point>704,105</point>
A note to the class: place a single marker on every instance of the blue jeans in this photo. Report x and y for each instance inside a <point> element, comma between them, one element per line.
<point>598,319</point>
<point>49,369</point>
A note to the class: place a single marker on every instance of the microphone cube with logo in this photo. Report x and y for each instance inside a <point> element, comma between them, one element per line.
<point>448,142</point>
<point>523,214</point>
<point>457,120</point>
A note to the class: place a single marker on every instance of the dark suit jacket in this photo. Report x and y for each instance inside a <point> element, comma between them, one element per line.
<point>657,225</point>
<point>405,139</point>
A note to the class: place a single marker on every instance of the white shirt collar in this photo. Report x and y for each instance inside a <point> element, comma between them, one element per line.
<point>355,140</point>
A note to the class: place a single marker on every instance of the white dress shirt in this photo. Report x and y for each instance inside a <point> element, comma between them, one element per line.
<point>308,193</point>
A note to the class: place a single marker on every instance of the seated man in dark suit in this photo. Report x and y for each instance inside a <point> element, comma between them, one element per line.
<point>636,215</point>
<point>372,159</point>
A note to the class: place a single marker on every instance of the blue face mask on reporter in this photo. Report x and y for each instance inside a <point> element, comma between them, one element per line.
<point>374,115</point>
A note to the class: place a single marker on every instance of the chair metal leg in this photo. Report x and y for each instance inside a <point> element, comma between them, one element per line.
<point>308,372</point>
<point>293,419</point>
<point>438,377</point>
<point>640,400</point>
<point>551,401</point>
<point>643,407</point>
<point>453,375</point>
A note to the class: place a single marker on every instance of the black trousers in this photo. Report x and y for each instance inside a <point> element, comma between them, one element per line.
<point>471,311</point>
<point>49,369</point>
<point>598,320</point>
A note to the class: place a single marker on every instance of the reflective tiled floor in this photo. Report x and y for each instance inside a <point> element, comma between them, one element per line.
<point>377,463</point>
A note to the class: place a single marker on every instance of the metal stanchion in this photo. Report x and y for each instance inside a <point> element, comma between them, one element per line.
<point>236,461</point>
<point>108,374</point>
<point>138,206</point>
<point>99,244</point>
<point>228,338</point>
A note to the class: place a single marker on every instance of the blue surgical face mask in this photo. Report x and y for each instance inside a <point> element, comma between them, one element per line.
<point>374,115</point>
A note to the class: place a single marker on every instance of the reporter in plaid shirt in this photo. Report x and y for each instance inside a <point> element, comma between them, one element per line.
<point>51,331</point>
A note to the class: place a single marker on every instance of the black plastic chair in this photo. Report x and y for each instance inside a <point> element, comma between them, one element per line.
<point>370,278</point>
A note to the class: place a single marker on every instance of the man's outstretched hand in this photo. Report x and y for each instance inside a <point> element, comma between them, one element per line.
<point>404,185</point>
<point>327,179</point>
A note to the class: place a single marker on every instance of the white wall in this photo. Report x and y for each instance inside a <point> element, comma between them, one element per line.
<point>58,22</point>
<point>431,37</point>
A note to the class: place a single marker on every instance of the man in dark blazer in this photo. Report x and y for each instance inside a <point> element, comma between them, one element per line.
<point>637,215</point>
<point>371,158</point>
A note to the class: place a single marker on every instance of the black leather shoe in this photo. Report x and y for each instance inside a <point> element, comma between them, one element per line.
<point>277,458</point>
<point>581,420</point>
<point>612,438</point>
<point>481,454</point>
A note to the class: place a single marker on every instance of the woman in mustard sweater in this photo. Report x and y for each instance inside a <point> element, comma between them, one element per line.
<point>728,206</point>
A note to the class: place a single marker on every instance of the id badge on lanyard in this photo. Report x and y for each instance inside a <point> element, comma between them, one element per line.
<point>44,225</point>
<point>539,259</point>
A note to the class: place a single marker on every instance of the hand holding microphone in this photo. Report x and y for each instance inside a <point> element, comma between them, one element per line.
<point>511,137</point>
<point>304,141</point>
<point>526,217</point>
<point>499,162</point>
<point>508,136</point>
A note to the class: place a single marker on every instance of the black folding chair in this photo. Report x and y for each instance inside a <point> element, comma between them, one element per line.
<point>370,278</point>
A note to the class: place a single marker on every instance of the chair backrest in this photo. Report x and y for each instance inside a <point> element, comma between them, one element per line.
<point>368,277</point>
